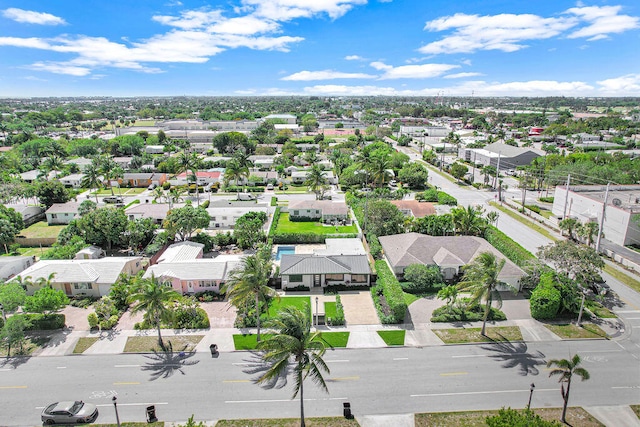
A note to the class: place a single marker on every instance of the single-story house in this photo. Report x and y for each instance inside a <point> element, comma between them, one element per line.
<point>81,162</point>
<point>224,215</point>
<point>36,174</point>
<point>203,177</point>
<point>73,180</point>
<point>156,211</point>
<point>315,271</point>
<point>449,253</point>
<point>182,251</point>
<point>62,213</point>
<point>299,177</point>
<point>350,246</point>
<point>262,177</point>
<point>30,214</point>
<point>262,162</point>
<point>414,208</point>
<point>154,149</point>
<point>124,162</point>
<point>90,277</point>
<point>195,275</point>
<point>326,211</point>
<point>12,265</point>
<point>143,179</point>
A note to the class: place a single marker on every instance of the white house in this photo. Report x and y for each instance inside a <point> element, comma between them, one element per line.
<point>12,265</point>
<point>73,180</point>
<point>62,213</point>
<point>225,213</point>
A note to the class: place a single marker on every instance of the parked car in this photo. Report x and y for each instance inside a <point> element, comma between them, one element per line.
<point>113,199</point>
<point>151,187</point>
<point>246,196</point>
<point>69,412</point>
<point>269,186</point>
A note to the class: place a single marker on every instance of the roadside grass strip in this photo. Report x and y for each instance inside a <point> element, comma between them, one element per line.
<point>393,337</point>
<point>571,331</point>
<point>83,344</point>
<point>125,424</point>
<point>623,277</point>
<point>472,335</point>
<point>249,341</point>
<point>576,416</point>
<point>636,409</point>
<point>523,220</point>
<point>600,310</point>
<point>30,345</point>
<point>335,339</point>
<point>290,422</point>
<point>150,344</point>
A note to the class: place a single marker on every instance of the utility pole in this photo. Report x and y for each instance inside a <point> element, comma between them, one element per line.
<point>523,184</point>
<point>497,171</point>
<point>473,174</point>
<point>604,207</point>
<point>566,197</point>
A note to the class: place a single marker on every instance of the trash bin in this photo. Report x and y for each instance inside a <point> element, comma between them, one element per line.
<point>151,414</point>
<point>346,410</point>
<point>214,350</point>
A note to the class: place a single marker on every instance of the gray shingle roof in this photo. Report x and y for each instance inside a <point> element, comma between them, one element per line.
<point>320,264</point>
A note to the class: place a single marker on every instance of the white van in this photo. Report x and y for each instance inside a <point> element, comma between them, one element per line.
<point>246,196</point>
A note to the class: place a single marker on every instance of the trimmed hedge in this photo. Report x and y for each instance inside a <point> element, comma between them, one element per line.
<point>507,246</point>
<point>388,292</point>
<point>546,199</point>
<point>44,322</point>
<point>293,238</point>
<point>545,299</point>
<point>274,222</point>
<point>475,313</point>
<point>446,199</point>
<point>339,319</point>
<point>239,189</point>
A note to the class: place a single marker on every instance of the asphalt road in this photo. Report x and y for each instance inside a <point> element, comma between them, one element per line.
<point>380,381</point>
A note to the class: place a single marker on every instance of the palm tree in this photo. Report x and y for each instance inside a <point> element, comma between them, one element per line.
<point>293,346</point>
<point>316,180</point>
<point>187,162</point>
<point>91,178</point>
<point>469,221</point>
<point>249,280</point>
<point>107,168</point>
<point>569,225</point>
<point>566,369</point>
<point>158,193</point>
<point>588,231</point>
<point>380,166</point>
<point>53,163</point>
<point>153,297</point>
<point>481,279</point>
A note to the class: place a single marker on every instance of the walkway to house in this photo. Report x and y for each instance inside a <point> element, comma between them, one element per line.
<point>359,308</point>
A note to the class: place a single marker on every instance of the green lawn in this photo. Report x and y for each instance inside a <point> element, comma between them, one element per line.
<point>277,305</point>
<point>393,337</point>
<point>636,409</point>
<point>290,422</point>
<point>469,335</point>
<point>40,230</point>
<point>27,251</point>
<point>521,219</point>
<point>600,310</point>
<point>336,339</point>
<point>624,278</point>
<point>150,343</point>
<point>286,226</point>
<point>118,192</point>
<point>330,310</point>
<point>571,331</point>
<point>83,344</point>
<point>249,341</point>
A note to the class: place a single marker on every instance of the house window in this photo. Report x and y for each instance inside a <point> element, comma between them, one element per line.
<point>213,218</point>
<point>295,278</point>
<point>334,277</point>
<point>54,216</point>
<point>359,278</point>
<point>224,218</point>
<point>296,213</point>
<point>82,286</point>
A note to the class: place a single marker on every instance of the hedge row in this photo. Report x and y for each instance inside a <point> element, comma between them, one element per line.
<point>274,222</point>
<point>44,322</point>
<point>507,246</point>
<point>387,286</point>
<point>339,319</point>
<point>280,238</point>
<point>238,189</point>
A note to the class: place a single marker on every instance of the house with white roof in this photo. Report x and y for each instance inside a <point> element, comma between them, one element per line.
<point>326,211</point>
<point>225,213</point>
<point>73,180</point>
<point>86,277</point>
<point>12,265</point>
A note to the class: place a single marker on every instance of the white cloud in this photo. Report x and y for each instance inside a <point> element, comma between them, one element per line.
<point>190,19</point>
<point>628,84</point>
<point>354,58</point>
<point>602,21</point>
<point>286,10</point>
<point>461,75</point>
<point>246,25</point>
<point>349,90</point>
<point>505,32</point>
<point>326,75</point>
<point>58,68</point>
<point>424,71</point>
<point>31,17</point>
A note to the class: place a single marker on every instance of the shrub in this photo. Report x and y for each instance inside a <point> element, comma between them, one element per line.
<point>545,299</point>
<point>274,201</point>
<point>445,199</point>
<point>45,322</point>
<point>388,291</point>
<point>338,320</point>
<point>82,302</point>
<point>375,248</point>
<point>507,246</point>
<point>512,418</point>
<point>205,204</point>
<point>546,199</point>
<point>274,222</point>
<point>533,208</point>
<point>92,318</point>
<point>430,195</point>
<point>422,278</point>
<point>191,319</point>
<point>109,323</point>
<point>461,313</point>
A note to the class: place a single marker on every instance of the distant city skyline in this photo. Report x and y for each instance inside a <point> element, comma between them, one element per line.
<point>320,47</point>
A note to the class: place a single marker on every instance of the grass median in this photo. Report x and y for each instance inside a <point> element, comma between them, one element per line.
<point>149,344</point>
<point>472,335</point>
<point>571,331</point>
<point>576,416</point>
<point>83,344</point>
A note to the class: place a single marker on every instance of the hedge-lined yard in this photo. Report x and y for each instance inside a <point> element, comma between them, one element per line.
<point>388,296</point>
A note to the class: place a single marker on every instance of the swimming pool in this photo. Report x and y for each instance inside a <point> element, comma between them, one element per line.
<point>290,250</point>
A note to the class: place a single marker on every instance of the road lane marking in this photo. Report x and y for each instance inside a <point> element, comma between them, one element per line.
<point>400,358</point>
<point>481,392</point>
<point>469,355</point>
<point>126,366</point>
<point>601,351</point>
<point>126,383</point>
<point>632,318</point>
<point>354,378</point>
<point>61,367</point>
<point>12,386</point>
<point>283,400</point>
<point>627,387</point>
<point>6,369</point>
<point>449,374</point>
<point>236,381</point>
<point>242,364</point>
<point>337,361</point>
<point>133,404</point>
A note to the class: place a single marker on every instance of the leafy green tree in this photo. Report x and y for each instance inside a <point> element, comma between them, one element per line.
<point>12,332</point>
<point>414,174</point>
<point>588,231</point>
<point>383,218</point>
<point>86,206</point>
<point>46,300</point>
<point>569,225</point>
<point>481,279</point>
<point>66,250</point>
<point>154,298</point>
<point>12,296</point>
<point>566,369</point>
<point>50,192</point>
<point>434,225</point>
<point>579,263</point>
<point>183,222</point>
<point>104,226</point>
<point>250,280</point>
<point>424,277</point>
<point>449,294</point>
<point>293,345</point>
<point>248,229</point>
<point>123,288</point>
<point>458,170</point>
<point>140,232</point>
<point>10,225</point>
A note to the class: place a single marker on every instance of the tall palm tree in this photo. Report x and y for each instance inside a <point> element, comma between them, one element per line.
<point>293,347</point>
<point>588,231</point>
<point>188,162</point>
<point>154,297</point>
<point>92,178</point>
<point>469,221</point>
<point>316,180</point>
<point>380,166</point>
<point>481,279</point>
<point>249,280</point>
<point>53,163</point>
<point>566,369</point>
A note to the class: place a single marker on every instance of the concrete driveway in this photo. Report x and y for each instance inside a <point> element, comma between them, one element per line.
<point>359,308</point>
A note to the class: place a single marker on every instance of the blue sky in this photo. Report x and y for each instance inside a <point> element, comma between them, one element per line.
<point>319,47</point>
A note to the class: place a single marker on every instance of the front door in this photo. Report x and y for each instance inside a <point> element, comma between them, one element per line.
<point>67,288</point>
<point>190,287</point>
<point>316,280</point>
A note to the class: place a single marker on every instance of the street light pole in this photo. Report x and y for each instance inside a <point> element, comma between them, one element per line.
<point>115,406</point>
<point>584,294</point>
<point>533,386</point>
<point>316,311</point>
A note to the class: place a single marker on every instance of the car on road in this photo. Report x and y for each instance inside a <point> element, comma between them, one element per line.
<point>69,412</point>
<point>269,186</point>
<point>112,199</point>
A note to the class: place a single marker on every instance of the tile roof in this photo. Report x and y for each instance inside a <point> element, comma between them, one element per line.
<point>321,264</point>
<point>418,209</point>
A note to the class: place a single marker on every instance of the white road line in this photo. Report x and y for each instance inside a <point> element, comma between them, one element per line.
<point>6,369</point>
<point>632,318</point>
<point>400,358</point>
<point>61,367</point>
<point>127,366</point>
<point>627,311</point>
<point>601,351</point>
<point>241,364</point>
<point>481,392</point>
<point>282,400</point>
<point>626,387</point>
<point>469,355</point>
<point>337,361</point>
<point>134,404</point>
